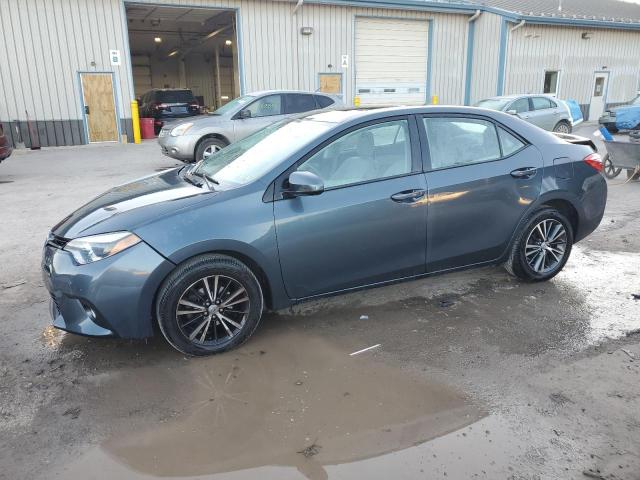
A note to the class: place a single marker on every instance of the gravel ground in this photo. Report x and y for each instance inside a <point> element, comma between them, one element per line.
<point>477,375</point>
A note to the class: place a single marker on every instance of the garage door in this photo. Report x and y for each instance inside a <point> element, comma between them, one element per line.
<point>391,61</point>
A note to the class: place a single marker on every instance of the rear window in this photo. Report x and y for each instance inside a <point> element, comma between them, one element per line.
<point>324,102</point>
<point>175,96</point>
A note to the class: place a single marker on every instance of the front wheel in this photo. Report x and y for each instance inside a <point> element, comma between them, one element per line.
<point>562,127</point>
<point>208,147</point>
<point>542,247</point>
<point>209,304</point>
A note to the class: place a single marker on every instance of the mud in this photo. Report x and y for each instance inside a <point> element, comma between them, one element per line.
<point>477,375</point>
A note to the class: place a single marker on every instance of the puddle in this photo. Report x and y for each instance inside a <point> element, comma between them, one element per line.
<point>285,402</point>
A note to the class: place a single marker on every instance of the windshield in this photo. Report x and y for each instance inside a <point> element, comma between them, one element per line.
<point>249,159</point>
<point>233,105</point>
<point>493,103</point>
<point>175,96</point>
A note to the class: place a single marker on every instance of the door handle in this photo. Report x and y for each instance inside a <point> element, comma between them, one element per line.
<point>408,196</point>
<point>86,109</point>
<point>526,172</point>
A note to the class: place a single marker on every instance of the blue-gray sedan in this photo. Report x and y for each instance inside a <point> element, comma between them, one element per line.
<point>317,206</point>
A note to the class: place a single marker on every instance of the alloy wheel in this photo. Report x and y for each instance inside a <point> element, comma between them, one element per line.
<point>562,128</point>
<point>210,150</point>
<point>212,310</point>
<point>546,246</point>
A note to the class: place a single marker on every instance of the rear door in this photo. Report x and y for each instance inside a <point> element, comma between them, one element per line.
<point>369,225</point>
<point>544,112</point>
<point>481,179</point>
<point>299,103</point>
<point>264,111</point>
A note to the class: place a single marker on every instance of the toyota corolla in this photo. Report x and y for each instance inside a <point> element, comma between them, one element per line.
<point>317,206</point>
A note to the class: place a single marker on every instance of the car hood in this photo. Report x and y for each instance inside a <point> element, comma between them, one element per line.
<point>200,121</point>
<point>127,206</point>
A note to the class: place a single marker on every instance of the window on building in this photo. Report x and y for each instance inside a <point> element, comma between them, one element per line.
<point>551,82</point>
<point>370,153</point>
<point>455,142</point>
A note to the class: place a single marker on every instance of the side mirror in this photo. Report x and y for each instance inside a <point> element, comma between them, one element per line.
<point>512,112</point>
<point>304,183</point>
<point>244,114</point>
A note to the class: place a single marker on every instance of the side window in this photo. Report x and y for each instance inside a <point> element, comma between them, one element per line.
<point>323,102</point>
<point>370,153</point>
<point>521,105</point>
<point>299,102</point>
<point>510,144</point>
<point>455,141</point>
<point>541,103</point>
<point>266,106</point>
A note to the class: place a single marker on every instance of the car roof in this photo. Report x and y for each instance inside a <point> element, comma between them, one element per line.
<point>261,93</point>
<point>512,96</point>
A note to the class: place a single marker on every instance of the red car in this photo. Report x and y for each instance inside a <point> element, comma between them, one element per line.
<point>5,148</point>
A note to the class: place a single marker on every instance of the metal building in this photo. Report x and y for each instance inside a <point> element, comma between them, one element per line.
<point>73,67</point>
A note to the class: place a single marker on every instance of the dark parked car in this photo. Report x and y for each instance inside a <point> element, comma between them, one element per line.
<point>333,202</point>
<point>5,148</point>
<point>622,117</point>
<point>166,104</point>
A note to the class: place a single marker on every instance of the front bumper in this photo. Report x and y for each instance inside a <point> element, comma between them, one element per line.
<point>182,147</point>
<point>112,297</point>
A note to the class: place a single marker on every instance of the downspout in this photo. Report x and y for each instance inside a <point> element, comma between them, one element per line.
<point>521,24</point>
<point>469,68</point>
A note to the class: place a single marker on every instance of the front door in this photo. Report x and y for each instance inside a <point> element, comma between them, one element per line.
<point>261,113</point>
<point>481,180</point>
<point>99,107</point>
<point>599,96</point>
<point>368,226</point>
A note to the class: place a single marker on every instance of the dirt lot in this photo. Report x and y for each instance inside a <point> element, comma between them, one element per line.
<point>477,375</point>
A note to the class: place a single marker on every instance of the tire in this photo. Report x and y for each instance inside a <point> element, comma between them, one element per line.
<point>519,265</point>
<point>609,170</point>
<point>217,328</point>
<point>562,127</point>
<point>208,146</point>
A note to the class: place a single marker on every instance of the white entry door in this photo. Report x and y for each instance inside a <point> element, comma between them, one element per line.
<point>391,61</point>
<point>598,95</point>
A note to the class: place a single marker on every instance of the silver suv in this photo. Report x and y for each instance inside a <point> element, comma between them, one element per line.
<point>545,111</point>
<point>196,138</point>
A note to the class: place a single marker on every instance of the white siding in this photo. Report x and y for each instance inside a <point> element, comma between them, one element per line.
<point>485,57</point>
<point>43,45</point>
<point>536,48</point>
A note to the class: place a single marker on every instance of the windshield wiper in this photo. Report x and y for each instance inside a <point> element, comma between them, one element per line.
<point>207,178</point>
<point>187,178</point>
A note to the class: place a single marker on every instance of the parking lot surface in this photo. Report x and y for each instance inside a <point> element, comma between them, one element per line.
<point>473,375</point>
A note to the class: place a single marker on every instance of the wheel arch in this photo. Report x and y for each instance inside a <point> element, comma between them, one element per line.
<point>206,136</point>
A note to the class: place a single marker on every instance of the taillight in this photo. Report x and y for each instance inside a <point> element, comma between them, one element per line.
<point>158,107</point>
<point>594,160</point>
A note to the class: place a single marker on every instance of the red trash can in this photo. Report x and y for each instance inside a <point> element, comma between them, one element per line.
<point>146,128</point>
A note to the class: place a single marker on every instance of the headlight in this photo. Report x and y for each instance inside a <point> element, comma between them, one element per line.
<point>181,129</point>
<point>96,247</point>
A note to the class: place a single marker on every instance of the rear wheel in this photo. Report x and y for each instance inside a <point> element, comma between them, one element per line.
<point>209,304</point>
<point>562,127</point>
<point>208,147</point>
<point>542,246</point>
<point>609,170</point>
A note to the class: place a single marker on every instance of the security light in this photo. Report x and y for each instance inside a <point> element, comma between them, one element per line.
<point>228,42</point>
<point>158,39</point>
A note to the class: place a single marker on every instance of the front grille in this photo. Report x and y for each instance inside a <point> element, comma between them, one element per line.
<point>56,241</point>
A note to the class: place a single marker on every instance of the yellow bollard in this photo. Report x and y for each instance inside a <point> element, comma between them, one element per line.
<point>135,119</point>
<point>356,101</point>
<point>434,100</point>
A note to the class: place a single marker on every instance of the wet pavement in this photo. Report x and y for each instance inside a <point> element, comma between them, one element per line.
<point>476,375</point>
